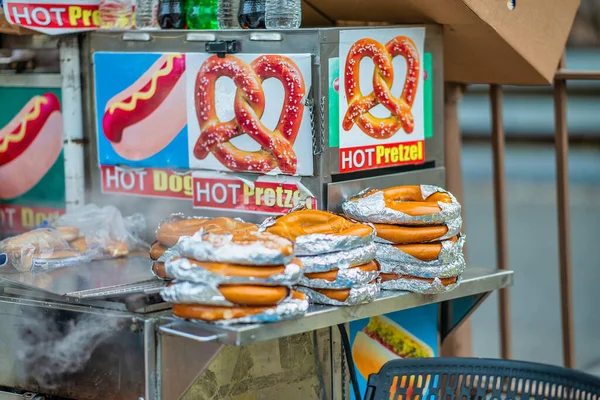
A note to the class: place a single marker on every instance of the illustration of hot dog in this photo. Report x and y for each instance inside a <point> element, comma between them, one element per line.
<point>29,145</point>
<point>144,118</point>
<point>383,340</point>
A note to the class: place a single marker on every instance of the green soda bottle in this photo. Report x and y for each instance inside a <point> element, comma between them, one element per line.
<point>202,14</point>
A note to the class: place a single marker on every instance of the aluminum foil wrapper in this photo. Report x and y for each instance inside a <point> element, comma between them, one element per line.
<point>183,270</point>
<point>372,208</point>
<point>195,293</point>
<point>453,268</point>
<point>220,248</point>
<point>449,253</point>
<point>454,227</point>
<point>318,244</point>
<point>418,286</point>
<point>358,295</point>
<point>289,309</point>
<point>338,260</point>
<point>346,278</point>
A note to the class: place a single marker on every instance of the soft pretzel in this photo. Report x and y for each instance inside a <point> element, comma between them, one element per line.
<point>215,313</point>
<point>397,234</point>
<point>309,222</point>
<point>393,277</point>
<point>157,250</point>
<point>332,275</point>
<point>169,233</point>
<point>241,271</point>
<point>254,295</point>
<point>404,205</point>
<point>424,251</point>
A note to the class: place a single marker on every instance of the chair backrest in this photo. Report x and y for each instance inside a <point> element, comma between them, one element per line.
<point>479,378</point>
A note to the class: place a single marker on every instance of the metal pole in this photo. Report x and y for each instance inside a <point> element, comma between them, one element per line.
<point>500,214</point>
<point>73,122</point>
<point>458,343</point>
<point>564,218</point>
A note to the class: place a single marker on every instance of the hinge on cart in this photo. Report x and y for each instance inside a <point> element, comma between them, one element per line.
<point>220,48</point>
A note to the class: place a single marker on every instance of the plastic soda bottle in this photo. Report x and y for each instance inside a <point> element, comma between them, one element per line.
<point>228,14</point>
<point>116,14</point>
<point>252,14</point>
<point>202,14</point>
<point>171,14</point>
<point>283,14</point>
<point>146,14</point>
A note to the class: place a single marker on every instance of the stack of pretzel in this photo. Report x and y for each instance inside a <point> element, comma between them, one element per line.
<point>419,245</point>
<point>225,271</point>
<point>337,255</point>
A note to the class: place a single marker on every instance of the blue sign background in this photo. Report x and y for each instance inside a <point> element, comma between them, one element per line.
<point>421,322</point>
<point>113,73</point>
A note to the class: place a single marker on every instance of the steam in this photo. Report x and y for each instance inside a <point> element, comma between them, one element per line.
<point>51,349</point>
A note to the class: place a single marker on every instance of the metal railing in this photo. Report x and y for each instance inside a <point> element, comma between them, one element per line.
<point>454,183</point>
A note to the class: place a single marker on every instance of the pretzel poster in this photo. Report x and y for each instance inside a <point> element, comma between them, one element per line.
<point>381,98</point>
<point>248,113</point>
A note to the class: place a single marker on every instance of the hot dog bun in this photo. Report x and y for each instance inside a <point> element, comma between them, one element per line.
<point>27,163</point>
<point>152,124</point>
<point>370,355</point>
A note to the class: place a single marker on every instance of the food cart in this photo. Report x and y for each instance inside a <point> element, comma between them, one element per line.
<point>120,334</point>
<point>101,330</point>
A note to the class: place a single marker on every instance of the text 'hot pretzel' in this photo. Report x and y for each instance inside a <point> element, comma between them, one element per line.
<point>276,146</point>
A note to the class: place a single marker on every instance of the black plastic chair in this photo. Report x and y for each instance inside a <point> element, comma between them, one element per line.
<point>478,378</point>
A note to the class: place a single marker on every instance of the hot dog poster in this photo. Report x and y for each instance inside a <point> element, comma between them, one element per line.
<point>32,186</point>
<point>381,98</point>
<point>141,109</point>
<point>238,113</point>
<point>411,333</point>
<point>248,113</point>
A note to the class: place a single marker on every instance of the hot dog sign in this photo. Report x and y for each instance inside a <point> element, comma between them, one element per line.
<point>381,104</point>
<point>201,111</point>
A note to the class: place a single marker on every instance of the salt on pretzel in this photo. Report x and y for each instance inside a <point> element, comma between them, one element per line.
<point>276,146</point>
<point>359,105</point>
<point>308,222</point>
<point>169,233</point>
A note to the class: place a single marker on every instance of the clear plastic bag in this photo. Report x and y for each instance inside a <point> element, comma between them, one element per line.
<point>38,250</point>
<point>102,231</point>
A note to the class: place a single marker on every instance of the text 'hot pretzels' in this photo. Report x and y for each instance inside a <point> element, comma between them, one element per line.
<point>359,105</point>
<point>276,146</point>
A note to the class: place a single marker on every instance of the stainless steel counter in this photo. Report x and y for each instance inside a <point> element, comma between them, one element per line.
<point>475,282</point>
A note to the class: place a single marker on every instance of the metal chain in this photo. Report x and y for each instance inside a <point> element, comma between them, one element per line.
<point>322,125</point>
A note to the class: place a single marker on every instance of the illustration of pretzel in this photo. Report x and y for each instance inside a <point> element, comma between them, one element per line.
<point>359,105</point>
<point>276,146</point>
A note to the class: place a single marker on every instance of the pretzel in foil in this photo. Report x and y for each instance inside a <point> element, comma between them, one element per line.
<point>398,234</point>
<point>359,105</point>
<point>169,232</point>
<point>276,146</point>
<point>404,205</point>
<point>310,222</point>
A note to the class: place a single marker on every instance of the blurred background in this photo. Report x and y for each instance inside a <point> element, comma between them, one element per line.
<point>531,203</point>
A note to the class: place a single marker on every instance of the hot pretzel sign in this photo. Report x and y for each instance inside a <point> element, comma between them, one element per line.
<point>382,126</point>
<point>258,138</point>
